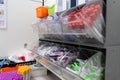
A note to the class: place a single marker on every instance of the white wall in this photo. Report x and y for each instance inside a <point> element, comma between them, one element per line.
<point>21,14</point>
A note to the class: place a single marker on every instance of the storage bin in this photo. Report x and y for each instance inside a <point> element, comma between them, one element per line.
<point>43,27</point>
<point>91,65</point>
<point>70,76</point>
<point>50,65</point>
<point>93,68</point>
<point>50,27</point>
<point>92,14</point>
<point>85,22</point>
<point>38,70</point>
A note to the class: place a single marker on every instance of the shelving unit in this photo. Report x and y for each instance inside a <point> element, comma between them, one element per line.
<point>111,47</point>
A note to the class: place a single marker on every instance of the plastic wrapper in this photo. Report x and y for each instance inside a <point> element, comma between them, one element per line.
<point>62,57</point>
<point>66,59</point>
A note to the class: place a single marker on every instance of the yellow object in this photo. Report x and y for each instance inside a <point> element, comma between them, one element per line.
<point>22,70</point>
<point>51,10</point>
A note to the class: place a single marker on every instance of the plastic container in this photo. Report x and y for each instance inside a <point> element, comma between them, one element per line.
<point>86,22</point>
<point>93,19</point>
<point>92,68</point>
<point>88,65</point>
<point>54,27</point>
<point>72,23</point>
<point>43,27</point>
<point>71,28</point>
<point>38,70</point>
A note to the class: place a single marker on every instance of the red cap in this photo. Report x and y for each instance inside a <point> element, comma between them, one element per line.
<point>89,21</point>
<point>79,10</point>
<point>97,6</point>
<point>92,6</point>
<point>81,25</point>
<point>97,12</point>
<point>93,16</point>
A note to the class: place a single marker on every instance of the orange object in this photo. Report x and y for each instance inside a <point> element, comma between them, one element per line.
<point>41,12</point>
<point>8,69</point>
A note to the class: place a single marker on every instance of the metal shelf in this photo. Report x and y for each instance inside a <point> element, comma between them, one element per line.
<point>100,47</point>
<point>60,72</point>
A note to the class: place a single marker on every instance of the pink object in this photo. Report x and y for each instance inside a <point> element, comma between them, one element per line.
<point>10,76</point>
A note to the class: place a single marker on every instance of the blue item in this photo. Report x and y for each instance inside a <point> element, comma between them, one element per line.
<point>2,63</point>
<point>73,3</point>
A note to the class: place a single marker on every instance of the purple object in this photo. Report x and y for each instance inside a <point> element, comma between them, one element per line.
<point>10,76</point>
<point>56,54</point>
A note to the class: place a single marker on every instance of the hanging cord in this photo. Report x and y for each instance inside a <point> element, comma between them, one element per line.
<point>42,2</point>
